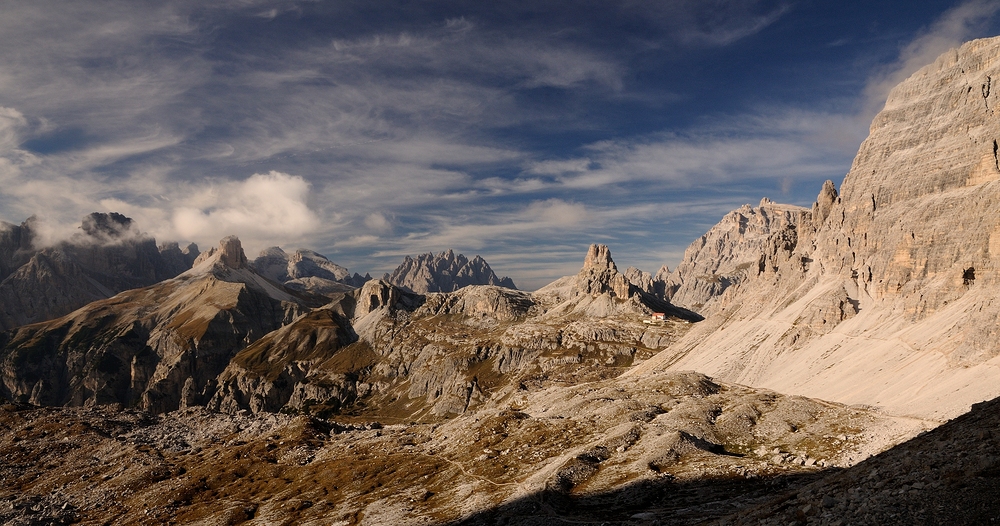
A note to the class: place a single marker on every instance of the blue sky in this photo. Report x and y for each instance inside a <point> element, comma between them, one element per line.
<point>520,131</point>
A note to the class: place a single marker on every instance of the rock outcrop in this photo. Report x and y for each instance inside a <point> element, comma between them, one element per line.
<point>444,272</point>
<point>176,259</point>
<point>108,256</point>
<point>895,280</point>
<point>225,336</point>
<point>16,245</point>
<point>642,280</point>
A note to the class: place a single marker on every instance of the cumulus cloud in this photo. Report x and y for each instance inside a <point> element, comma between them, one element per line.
<point>264,209</point>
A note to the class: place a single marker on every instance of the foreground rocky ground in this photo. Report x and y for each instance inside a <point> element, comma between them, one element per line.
<point>678,449</point>
<point>950,475</point>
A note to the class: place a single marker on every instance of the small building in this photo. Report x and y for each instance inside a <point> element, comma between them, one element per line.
<point>658,316</point>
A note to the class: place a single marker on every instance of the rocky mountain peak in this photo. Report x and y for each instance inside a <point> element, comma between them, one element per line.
<point>824,203</point>
<point>599,258</point>
<point>599,274</point>
<point>178,260</point>
<point>108,254</point>
<point>231,252</point>
<point>306,270</point>
<point>106,227</point>
<point>445,272</point>
<point>744,243</point>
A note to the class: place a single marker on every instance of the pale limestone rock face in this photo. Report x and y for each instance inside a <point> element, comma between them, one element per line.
<point>600,290</point>
<point>487,302</point>
<point>231,253</point>
<point>599,259</point>
<point>307,271</point>
<point>599,275</point>
<point>741,246</point>
<point>890,299</point>
<point>824,202</point>
<point>376,294</point>
<point>641,280</point>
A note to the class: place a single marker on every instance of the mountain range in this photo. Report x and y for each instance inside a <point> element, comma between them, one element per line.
<point>798,365</point>
<point>108,255</point>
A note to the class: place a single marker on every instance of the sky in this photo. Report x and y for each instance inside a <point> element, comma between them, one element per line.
<point>522,131</point>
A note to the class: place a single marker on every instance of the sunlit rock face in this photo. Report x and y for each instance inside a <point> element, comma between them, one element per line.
<point>732,252</point>
<point>895,278</point>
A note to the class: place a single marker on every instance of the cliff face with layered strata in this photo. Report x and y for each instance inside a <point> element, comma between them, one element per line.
<point>912,244</point>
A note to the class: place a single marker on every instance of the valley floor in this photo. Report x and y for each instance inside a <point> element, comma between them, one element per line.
<point>597,452</point>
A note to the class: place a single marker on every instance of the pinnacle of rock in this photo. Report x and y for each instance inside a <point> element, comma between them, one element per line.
<point>824,202</point>
<point>599,274</point>
<point>599,258</point>
<point>231,252</point>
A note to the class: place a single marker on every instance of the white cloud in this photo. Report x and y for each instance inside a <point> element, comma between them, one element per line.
<point>377,222</point>
<point>711,24</point>
<point>263,210</point>
<point>11,122</point>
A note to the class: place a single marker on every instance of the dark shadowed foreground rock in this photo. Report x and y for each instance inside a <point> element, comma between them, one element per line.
<point>950,475</point>
<point>679,448</point>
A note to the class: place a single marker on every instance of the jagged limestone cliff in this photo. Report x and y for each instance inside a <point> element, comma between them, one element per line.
<point>887,295</point>
<point>731,252</point>
<point>445,272</point>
